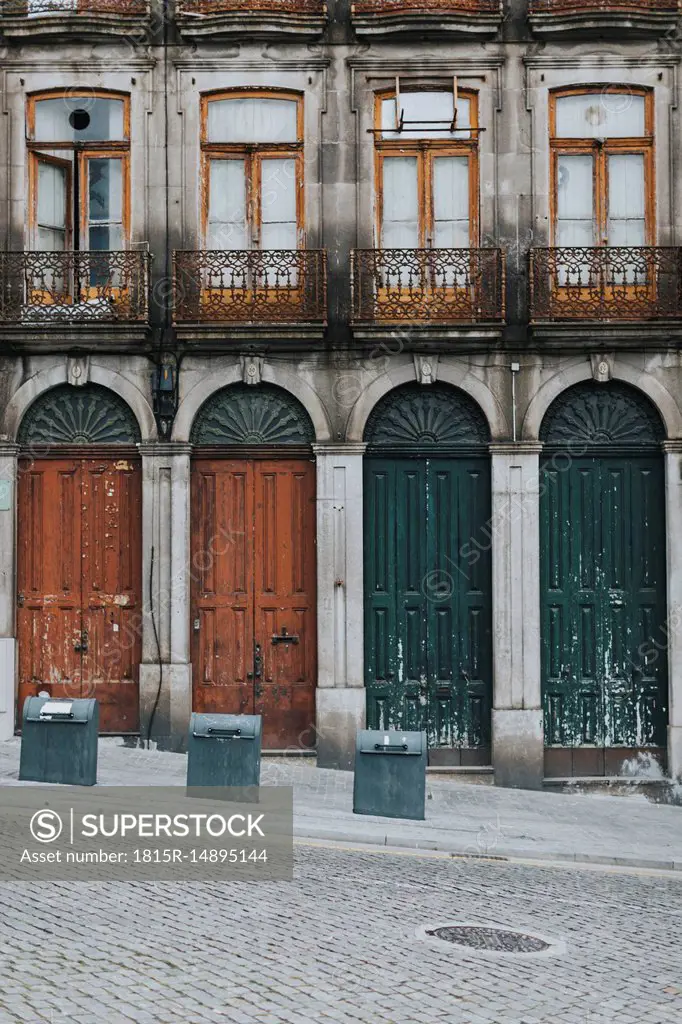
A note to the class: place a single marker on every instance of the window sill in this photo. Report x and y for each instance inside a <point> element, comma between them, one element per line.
<point>73,26</point>
<point>226,24</point>
<point>587,24</point>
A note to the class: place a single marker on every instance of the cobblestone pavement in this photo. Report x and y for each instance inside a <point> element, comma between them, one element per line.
<point>340,945</point>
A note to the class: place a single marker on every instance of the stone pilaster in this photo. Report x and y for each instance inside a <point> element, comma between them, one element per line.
<point>8,589</point>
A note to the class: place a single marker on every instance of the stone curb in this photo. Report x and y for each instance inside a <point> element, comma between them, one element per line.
<point>401,841</point>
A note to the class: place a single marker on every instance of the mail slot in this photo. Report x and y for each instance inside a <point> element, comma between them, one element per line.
<point>390,774</point>
<point>224,750</point>
<point>59,741</point>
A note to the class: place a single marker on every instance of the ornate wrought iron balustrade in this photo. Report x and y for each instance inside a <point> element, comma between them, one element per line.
<point>606,284</point>
<point>605,6</point>
<point>428,285</point>
<point>38,8</point>
<point>364,7</point>
<point>45,288</point>
<point>305,7</point>
<point>250,287</point>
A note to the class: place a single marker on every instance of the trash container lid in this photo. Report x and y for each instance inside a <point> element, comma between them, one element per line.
<point>378,741</point>
<point>239,727</point>
<point>57,709</point>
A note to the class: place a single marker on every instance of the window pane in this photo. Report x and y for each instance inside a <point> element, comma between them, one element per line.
<point>451,202</point>
<point>278,204</point>
<point>400,228</point>
<point>51,240</point>
<point>104,237</point>
<point>421,107</point>
<point>78,119</point>
<point>51,196</point>
<point>600,115</point>
<point>105,190</point>
<point>227,205</point>
<point>626,186</point>
<point>252,119</point>
<point>575,200</point>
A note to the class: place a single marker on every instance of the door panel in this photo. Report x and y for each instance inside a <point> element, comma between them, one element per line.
<point>254,579</point>
<point>603,616</point>
<point>79,575</point>
<point>111,581</point>
<point>428,616</point>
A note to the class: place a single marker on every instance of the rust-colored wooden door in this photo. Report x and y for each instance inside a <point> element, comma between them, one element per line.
<point>253,593</point>
<point>79,584</point>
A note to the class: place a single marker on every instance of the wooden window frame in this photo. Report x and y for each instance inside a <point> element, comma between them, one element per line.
<point>425,150</point>
<point>253,154</point>
<point>82,152</point>
<point>600,150</point>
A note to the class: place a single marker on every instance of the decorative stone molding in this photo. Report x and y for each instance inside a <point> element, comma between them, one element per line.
<point>252,369</point>
<point>426,368</point>
<point>78,370</point>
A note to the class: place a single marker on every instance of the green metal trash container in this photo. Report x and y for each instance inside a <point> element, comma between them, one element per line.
<point>59,741</point>
<point>224,750</point>
<point>390,774</point>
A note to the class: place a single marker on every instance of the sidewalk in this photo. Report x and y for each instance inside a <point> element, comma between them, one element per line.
<point>481,821</point>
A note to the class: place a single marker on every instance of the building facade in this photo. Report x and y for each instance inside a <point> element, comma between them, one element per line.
<point>340,372</point>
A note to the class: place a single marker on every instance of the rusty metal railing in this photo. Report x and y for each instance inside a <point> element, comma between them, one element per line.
<point>74,287</point>
<point>622,283</point>
<point>315,7</point>
<point>606,6</point>
<point>250,286</point>
<point>364,7</point>
<point>428,285</point>
<point>36,8</point>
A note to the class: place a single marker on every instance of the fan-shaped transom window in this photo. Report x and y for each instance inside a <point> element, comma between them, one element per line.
<point>85,415</point>
<point>589,417</point>
<point>418,418</point>
<point>245,415</point>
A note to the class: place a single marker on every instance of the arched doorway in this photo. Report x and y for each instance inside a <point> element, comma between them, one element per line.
<point>603,541</point>
<point>80,552</point>
<point>428,658</point>
<point>253,561</point>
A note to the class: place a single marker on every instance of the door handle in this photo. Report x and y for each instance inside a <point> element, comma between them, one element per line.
<point>257,662</point>
<point>20,600</point>
<point>82,646</point>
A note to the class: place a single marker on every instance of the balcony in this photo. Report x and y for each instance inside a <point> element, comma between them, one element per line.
<point>83,299</point>
<point>453,294</point>
<point>249,294</point>
<point>473,19</point>
<point>75,19</point>
<point>593,18</point>
<point>606,289</point>
<point>217,19</point>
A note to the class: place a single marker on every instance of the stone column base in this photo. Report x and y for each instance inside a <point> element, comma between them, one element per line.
<point>518,749</point>
<point>171,721</point>
<point>8,654</point>
<point>675,752</point>
<point>340,713</point>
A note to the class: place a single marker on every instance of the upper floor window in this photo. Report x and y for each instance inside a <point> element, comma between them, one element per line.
<point>426,169</point>
<point>79,149</point>
<point>602,167</point>
<point>252,144</point>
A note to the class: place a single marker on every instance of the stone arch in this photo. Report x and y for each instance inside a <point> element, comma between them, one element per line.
<point>460,378</point>
<point>197,395</point>
<point>240,414</point>
<point>659,396</point>
<point>439,416</point>
<point>53,376</point>
<point>87,415</point>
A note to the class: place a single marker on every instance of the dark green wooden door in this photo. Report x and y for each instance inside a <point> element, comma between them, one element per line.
<point>427,607</point>
<point>604,602</point>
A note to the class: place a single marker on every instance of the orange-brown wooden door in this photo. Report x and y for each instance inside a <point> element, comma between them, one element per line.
<point>253,586</point>
<point>79,583</point>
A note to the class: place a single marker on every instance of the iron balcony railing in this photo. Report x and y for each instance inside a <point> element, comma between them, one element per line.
<point>365,7</point>
<point>42,288</point>
<point>37,8</point>
<point>250,286</point>
<point>428,285</point>
<point>292,7</point>
<point>603,6</point>
<point>621,283</point>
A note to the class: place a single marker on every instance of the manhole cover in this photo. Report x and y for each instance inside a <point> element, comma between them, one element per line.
<point>492,940</point>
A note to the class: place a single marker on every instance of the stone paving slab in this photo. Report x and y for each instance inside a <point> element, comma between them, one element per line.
<point>481,821</point>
